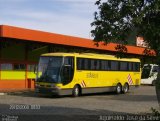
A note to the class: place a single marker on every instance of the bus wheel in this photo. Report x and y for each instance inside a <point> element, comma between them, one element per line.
<point>76,91</point>
<point>118,89</point>
<point>125,88</point>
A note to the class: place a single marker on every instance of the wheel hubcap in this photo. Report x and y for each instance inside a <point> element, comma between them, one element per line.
<point>125,89</point>
<point>118,89</point>
<point>76,91</point>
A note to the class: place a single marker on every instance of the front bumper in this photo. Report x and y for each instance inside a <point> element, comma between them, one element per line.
<point>53,91</point>
<point>50,91</point>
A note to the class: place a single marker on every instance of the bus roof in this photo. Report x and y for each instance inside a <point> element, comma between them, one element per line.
<point>92,55</point>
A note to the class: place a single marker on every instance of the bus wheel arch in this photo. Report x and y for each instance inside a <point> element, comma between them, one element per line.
<point>119,88</point>
<point>77,90</point>
<point>125,88</point>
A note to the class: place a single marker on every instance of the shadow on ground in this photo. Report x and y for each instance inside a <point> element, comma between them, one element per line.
<point>33,94</point>
<point>111,95</point>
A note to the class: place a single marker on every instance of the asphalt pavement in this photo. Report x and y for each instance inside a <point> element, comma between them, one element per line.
<point>26,105</point>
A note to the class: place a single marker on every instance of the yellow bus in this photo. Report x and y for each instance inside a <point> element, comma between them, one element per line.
<point>79,73</point>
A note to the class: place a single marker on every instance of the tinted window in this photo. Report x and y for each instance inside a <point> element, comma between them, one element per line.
<point>146,72</point>
<point>136,66</point>
<point>129,66</point>
<point>86,64</point>
<point>155,69</point>
<point>83,64</point>
<point>123,66</point>
<point>114,65</point>
<point>68,61</point>
<point>68,70</point>
<point>80,64</point>
<point>105,65</point>
<point>95,64</point>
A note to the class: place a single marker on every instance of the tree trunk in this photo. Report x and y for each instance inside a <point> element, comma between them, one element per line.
<point>158,87</point>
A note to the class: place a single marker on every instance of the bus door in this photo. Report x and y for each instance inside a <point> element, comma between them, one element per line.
<point>67,71</point>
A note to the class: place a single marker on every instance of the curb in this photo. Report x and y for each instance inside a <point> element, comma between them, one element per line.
<point>13,93</point>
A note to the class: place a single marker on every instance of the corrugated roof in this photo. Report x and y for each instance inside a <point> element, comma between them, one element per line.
<point>47,37</point>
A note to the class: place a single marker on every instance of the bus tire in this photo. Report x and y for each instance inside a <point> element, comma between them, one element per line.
<point>118,88</point>
<point>125,88</point>
<point>76,91</point>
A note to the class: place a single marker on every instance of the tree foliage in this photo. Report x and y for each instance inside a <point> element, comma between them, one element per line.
<point>116,19</point>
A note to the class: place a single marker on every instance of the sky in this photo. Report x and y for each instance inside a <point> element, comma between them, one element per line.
<point>68,17</point>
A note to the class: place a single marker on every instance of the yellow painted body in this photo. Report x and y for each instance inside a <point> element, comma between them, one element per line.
<point>97,78</point>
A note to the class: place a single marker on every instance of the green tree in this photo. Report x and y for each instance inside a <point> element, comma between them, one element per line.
<point>116,19</point>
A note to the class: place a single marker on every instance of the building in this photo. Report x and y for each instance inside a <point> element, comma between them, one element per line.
<point>140,42</point>
<point>20,50</point>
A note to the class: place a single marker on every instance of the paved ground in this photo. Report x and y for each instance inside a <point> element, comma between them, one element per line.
<point>27,105</point>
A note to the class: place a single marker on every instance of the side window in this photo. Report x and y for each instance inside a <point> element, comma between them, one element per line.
<point>98,66</point>
<point>123,66</point>
<point>6,67</point>
<point>114,65</point>
<point>80,63</point>
<point>129,66</point>
<point>83,64</point>
<point>95,64</point>
<point>105,65</point>
<point>109,65</point>
<point>68,61</point>
<point>68,70</point>
<point>136,66</point>
<point>86,64</point>
<point>155,69</point>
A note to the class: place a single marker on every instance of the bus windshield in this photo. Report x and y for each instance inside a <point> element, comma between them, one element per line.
<point>49,69</point>
<point>146,72</point>
<point>155,69</point>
